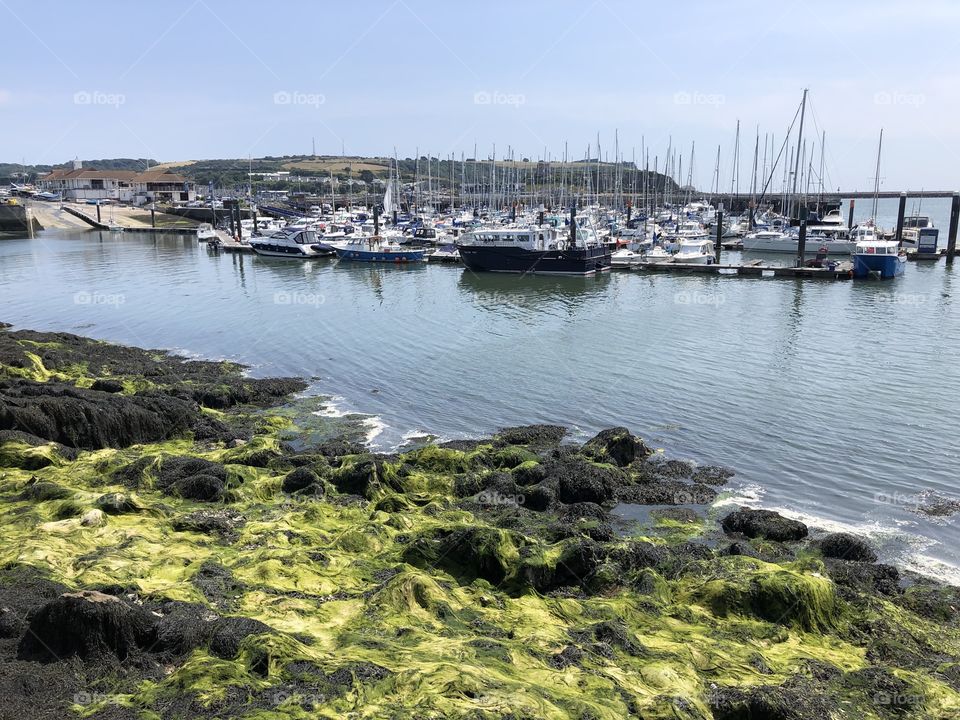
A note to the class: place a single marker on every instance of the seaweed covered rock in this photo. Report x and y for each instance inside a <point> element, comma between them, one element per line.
<point>467,553</point>
<point>302,479</point>
<point>578,563</point>
<point>764,524</point>
<point>108,385</point>
<point>117,504</point>
<point>229,632</point>
<point>844,546</point>
<point>535,436</point>
<point>858,578</point>
<point>617,446</point>
<point>222,522</point>
<point>91,419</point>
<point>579,480</point>
<point>26,451</point>
<point>188,477</point>
<point>86,624</point>
<point>42,490</point>
<point>791,701</point>
<point>184,627</point>
<point>246,391</point>
<point>360,477</point>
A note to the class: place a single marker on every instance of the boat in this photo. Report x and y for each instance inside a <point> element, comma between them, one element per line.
<point>694,251</point>
<point>880,259</point>
<point>913,226</point>
<point>818,237</point>
<point>535,250</point>
<point>290,243</point>
<point>206,232</point>
<point>626,258</point>
<point>373,248</point>
<point>444,254</point>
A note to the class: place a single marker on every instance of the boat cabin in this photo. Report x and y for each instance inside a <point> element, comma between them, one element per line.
<point>537,239</point>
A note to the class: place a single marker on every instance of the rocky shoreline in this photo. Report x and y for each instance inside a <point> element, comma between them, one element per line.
<point>168,552</point>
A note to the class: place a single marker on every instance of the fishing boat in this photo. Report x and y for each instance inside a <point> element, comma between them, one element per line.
<point>927,244</point>
<point>913,226</point>
<point>375,249</point>
<point>880,259</point>
<point>290,243</point>
<point>535,250</point>
<point>694,251</point>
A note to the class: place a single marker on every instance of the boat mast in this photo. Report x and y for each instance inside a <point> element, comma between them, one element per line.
<point>823,146</point>
<point>876,180</point>
<point>796,167</point>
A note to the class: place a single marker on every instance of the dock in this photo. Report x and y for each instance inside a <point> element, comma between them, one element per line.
<point>840,271</point>
<point>228,243</point>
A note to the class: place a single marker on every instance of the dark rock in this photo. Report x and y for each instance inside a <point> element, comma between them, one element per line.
<point>302,479</point>
<point>639,554</point>
<point>765,524</point>
<point>939,506</point>
<point>581,481</point>
<point>11,625</point>
<point>616,445</point>
<point>742,548</point>
<point>712,475</point>
<point>466,553</point>
<point>570,655</point>
<point>856,578</point>
<point>27,461</point>
<point>887,693</point>
<point>223,522</point>
<point>181,476</point>
<point>680,558</point>
<point>116,504</point>
<point>218,584</point>
<point>577,565</point>
<point>528,474</point>
<point>666,492</point>
<point>940,603</point>
<point>87,624</point>
<point>42,491</point>
<point>183,628</point>
<point>844,546</point>
<point>90,419</point>
<point>576,511</point>
<point>230,632</point>
<point>538,436</point>
<point>360,477</point>
<point>768,702</point>
<point>107,385</point>
<point>539,498</point>
<point>339,447</point>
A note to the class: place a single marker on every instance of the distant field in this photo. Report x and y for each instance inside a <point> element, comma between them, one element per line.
<point>336,165</point>
<point>168,165</point>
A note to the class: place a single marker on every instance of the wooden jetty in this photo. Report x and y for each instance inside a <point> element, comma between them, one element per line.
<point>756,268</point>
<point>228,243</point>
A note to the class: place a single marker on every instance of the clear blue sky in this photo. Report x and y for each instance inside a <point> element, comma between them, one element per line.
<point>186,79</point>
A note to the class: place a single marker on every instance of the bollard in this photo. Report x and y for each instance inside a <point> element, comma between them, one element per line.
<point>153,216</point>
<point>573,225</point>
<point>900,213</point>
<point>802,243</point>
<point>98,211</point>
<point>717,245</point>
<point>850,214</point>
<point>376,220</point>
<point>952,236</point>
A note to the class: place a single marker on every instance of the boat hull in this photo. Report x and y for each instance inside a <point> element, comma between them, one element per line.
<point>882,267</point>
<point>812,246</point>
<point>288,251</point>
<point>579,261</point>
<point>380,256</point>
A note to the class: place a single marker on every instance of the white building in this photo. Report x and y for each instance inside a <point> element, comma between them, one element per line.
<point>123,186</point>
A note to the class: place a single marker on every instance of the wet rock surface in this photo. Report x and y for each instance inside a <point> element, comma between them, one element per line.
<point>765,524</point>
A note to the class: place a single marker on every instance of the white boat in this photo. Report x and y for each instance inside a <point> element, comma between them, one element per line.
<point>774,241</point>
<point>912,225</point>
<point>626,258</point>
<point>444,254</point>
<point>206,232</point>
<point>694,251</point>
<point>290,243</point>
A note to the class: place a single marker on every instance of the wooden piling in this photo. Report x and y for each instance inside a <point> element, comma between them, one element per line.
<point>802,243</point>
<point>718,243</point>
<point>98,211</point>
<point>153,216</point>
<point>376,219</point>
<point>573,225</point>
<point>901,211</point>
<point>954,219</point>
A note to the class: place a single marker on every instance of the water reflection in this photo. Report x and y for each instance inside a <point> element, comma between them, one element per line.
<point>495,292</point>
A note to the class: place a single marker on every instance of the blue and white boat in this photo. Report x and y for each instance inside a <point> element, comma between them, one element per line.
<point>875,258</point>
<point>372,248</point>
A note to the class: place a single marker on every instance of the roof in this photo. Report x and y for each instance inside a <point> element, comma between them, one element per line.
<point>122,175</point>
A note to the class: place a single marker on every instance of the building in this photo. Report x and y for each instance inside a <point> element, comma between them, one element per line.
<point>125,186</point>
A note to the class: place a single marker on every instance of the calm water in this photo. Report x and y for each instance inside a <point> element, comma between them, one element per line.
<point>837,401</point>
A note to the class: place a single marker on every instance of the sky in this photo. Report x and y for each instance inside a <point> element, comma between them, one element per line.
<point>196,79</point>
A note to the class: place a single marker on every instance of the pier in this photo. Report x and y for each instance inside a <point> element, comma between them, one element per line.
<point>839,271</point>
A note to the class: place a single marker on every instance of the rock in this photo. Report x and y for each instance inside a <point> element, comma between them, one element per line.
<point>107,385</point>
<point>676,514</point>
<point>117,504</point>
<point>858,578</point>
<point>712,475</point>
<point>42,491</point>
<point>230,632</point>
<point>90,419</point>
<point>184,627</point>
<point>339,447</point>
<point>180,476</point>
<point>302,479</point>
<point>223,522</point>
<point>17,450</point>
<point>666,492</point>
<point>939,506</point>
<point>764,524</point>
<point>218,585</point>
<point>578,565</point>
<point>940,603</point>
<point>539,498</point>
<point>93,518</point>
<point>360,477</point>
<point>11,626</point>
<point>797,701</point>
<point>581,481</point>
<point>538,436</point>
<point>468,553</point>
<point>616,445</point>
<point>844,546</point>
<point>86,624</point>
<point>529,473</point>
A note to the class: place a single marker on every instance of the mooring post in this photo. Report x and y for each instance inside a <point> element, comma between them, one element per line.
<point>394,218</point>
<point>802,243</point>
<point>254,221</point>
<point>629,211</point>
<point>850,214</point>
<point>233,233</point>
<point>952,236</point>
<point>573,225</point>
<point>153,216</point>
<point>717,246</point>
<point>900,213</point>
<point>98,211</point>
<point>376,220</point>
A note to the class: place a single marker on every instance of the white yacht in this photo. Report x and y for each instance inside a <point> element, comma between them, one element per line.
<point>774,241</point>
<point>694,251</point>
<point>290,243</point>
<point>206,232</point>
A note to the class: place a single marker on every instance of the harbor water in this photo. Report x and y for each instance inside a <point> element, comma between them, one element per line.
<point>835,402</point>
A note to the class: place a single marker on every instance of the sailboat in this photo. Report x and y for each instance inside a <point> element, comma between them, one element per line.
<point>873,257</point>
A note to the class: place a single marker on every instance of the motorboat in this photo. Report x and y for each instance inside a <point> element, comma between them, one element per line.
<point>444,254</point>
<point>375,249</point>
<point>880,259</point>
<point>206,232</point>
<point>290,243</point>
<point>694,251</point>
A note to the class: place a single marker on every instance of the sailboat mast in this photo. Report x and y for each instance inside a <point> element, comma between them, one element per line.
<point>876,180</point>
<point>796,167</point>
